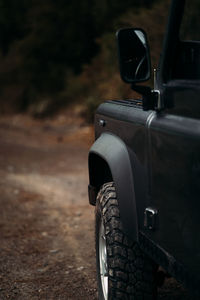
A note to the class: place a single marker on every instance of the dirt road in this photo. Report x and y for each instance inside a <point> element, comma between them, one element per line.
<point>46,224</point>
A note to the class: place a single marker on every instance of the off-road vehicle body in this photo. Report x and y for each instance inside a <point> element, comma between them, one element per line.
<point>144,166</point>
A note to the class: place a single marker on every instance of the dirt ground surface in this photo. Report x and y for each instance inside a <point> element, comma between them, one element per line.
<point>46,223</point>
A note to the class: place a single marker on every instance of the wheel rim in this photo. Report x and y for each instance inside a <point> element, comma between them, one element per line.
<point>103,261</point>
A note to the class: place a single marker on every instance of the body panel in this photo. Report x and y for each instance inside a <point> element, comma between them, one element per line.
<point>114,152</point>
<point>175,156</point>
<point>121,143</point>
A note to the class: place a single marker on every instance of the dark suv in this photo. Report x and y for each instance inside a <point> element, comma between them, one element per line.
<point>144,166</point>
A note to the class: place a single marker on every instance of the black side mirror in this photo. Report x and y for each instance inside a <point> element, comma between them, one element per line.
<point>134,56</point>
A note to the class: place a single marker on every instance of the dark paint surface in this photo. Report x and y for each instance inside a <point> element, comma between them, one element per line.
<point>168,150</point>
<point>129,124</point>
<point>175,168</point>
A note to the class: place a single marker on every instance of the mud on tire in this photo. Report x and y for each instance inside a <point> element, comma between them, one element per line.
<point>127,272</point>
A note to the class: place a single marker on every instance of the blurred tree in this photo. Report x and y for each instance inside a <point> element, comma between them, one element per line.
<point>43,41</point>
<point>13,24</point>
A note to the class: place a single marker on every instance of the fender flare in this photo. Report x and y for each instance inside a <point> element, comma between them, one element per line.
<point>121,160</point>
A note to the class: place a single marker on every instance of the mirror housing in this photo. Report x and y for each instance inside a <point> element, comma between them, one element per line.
<point>134,55</point>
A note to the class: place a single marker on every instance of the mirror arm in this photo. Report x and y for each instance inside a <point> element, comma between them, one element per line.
<point>150,98</point>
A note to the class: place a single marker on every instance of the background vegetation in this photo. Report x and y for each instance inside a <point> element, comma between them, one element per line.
<point>55,53</point>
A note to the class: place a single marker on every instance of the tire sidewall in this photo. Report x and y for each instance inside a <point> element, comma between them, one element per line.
<point>98,220</point>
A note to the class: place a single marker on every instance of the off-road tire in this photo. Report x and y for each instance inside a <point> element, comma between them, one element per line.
<point>131,274</point>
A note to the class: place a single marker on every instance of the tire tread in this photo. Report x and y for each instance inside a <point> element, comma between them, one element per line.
<point>131,272</point>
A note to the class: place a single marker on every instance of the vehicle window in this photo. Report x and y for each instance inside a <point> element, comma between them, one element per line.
<point>190,28</point>
<point>187,59</point>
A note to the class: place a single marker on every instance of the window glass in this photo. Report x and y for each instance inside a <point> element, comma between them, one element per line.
<point>190,28</point>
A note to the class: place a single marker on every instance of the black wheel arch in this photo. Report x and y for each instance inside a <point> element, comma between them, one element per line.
<point>111,160</point>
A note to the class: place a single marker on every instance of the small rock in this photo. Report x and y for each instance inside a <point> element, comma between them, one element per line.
<point>78,213</point>
<point>40,270</point>
<point>54,250</point>
<point>70,267</point>
<point>44,234</point>
<point>80,268</point>
<point>16,192</point>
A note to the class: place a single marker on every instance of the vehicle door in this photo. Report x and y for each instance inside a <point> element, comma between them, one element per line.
<point>174,136</point>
